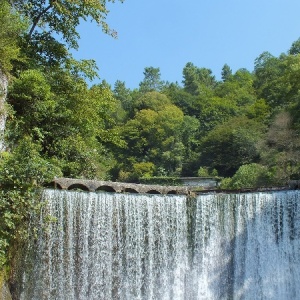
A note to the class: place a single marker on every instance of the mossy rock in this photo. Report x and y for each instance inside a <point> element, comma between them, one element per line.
<point>4,290</point>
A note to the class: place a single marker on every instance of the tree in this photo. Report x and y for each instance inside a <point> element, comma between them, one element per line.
<point>230,145</point>
<point>198,80</point>
<point>290,79</point>
<point>215,111</point>
<point>12,27</point>
<point>280,150</point>
<point>53,28</point>
<point>181,98</point>
<point>123,94</point>
<point>152,100</point>
<point>21,172</point>
<point>62,17</point>
<point>71,123</point>
<point>269,84</point>
<point>153,135</point>
<point>238,88</point>
<point>151,81</point>
<point>249,176</point>
<point>31,98</point>
<point>259,111</point>
<point>295,48</point>
<point>190,78</point>
<point>226,72</point>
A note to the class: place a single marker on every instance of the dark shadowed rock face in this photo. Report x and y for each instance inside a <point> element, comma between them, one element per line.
<point>4,291</point>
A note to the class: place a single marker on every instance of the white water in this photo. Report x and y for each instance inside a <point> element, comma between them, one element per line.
<point>247,247</point>
<point>129,246</point>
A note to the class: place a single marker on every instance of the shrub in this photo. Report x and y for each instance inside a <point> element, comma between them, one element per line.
<point>249,176</point>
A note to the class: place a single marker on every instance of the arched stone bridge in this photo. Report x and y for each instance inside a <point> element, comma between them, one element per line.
<point>116,187</point>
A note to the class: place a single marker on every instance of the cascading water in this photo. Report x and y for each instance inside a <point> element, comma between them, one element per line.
<point>247,246</point>
<point>133,246</point>
<point>110,246</point>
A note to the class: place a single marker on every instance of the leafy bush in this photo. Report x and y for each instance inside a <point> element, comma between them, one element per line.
<point>24,167</point>
<point>143,169</point>
<point>249,176</point>
<point>205,172</point>
<point>22,172</point>
<point>12,26</point>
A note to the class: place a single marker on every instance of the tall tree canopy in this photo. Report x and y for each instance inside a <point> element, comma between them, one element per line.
<point>198,80</point>
<point>51,21</point>
<point>12,27</point>
<point>62,17</point>
<point>151,81</point>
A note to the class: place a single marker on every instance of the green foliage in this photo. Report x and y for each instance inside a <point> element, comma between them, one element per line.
<point>152,81</point>
<point>70,122</point>
<point>30,96</point>
<point>143,169</point>
<point>24,167</point>
<point>152,100</point>
<point>198,80</point>
<point>12,26</point>
<point>16,208</point>
<point>203,172</point>
<point>216,111</point>
<point>185,101</point>
<point>52,30</point>
<point>62,17</point>
<point>226,72</point>
<point>259,111</point>
<point>249,176</point>
<point>153,135</point>
<point>280,149</point>
<point>295,48</point>
<point>123,94</point>
<point>230,145</point>
<point>276,79</point>
<point>22,172</point>
<point>238,88</point>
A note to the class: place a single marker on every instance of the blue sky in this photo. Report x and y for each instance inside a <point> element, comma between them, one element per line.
<point>169,33</point>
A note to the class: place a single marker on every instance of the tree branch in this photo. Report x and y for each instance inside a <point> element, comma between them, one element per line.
<point>36,20</point>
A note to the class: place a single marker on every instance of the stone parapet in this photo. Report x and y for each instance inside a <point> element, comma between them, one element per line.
<point>117,187</point>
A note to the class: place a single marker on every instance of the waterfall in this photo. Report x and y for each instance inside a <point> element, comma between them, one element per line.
<point>165,247</point>
<point>247,246</point>
<point>109,246</point>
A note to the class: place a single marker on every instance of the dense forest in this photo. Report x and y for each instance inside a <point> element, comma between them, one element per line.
<point>243,128</point>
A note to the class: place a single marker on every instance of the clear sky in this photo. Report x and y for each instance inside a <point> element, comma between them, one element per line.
<point>169,33</point>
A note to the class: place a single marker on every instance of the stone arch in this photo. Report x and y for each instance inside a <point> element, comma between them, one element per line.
<point>153,192</point>
<point>53,185</point>
<point>106,188</point>
<point>130,190</point>
<point>57,186</point>
<point>172,192</point>
<point>78,186</point>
